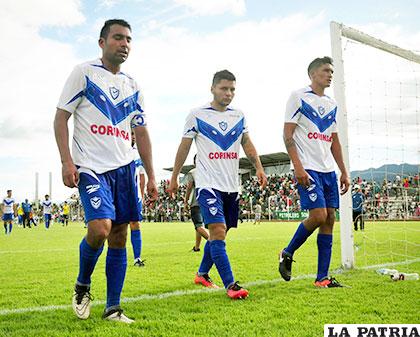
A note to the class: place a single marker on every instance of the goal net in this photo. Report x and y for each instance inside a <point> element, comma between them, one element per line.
<point>377,88</point>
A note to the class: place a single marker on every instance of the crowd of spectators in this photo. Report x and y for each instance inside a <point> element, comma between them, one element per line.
<point>398,197</point>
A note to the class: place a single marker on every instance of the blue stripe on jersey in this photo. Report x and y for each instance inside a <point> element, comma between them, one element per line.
<point>322,123</point>
<point>115,113</point>
<point>8,202</point>
<point>224,141</point>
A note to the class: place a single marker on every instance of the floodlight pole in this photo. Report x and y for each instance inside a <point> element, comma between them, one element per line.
<point>346,233</point>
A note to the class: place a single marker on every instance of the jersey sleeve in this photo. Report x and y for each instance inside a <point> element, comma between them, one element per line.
<point>245,127</point>
<point>139,115</point>
<point>73,91</point>
<point>292,114</point>
<point>190,128</point>
<point>334,126</point>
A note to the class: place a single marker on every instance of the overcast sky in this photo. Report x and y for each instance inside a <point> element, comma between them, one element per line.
<point>177,47</point>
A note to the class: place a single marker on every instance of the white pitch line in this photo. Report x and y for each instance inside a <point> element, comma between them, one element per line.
<point>179,293</point>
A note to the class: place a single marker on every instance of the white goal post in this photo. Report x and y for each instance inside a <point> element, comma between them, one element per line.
<point>338,31</point>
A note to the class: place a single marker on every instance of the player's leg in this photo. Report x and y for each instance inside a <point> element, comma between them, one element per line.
<point>230,211</point>
<point>5,225</point>
<point>200,230</point>
<point>136,242</point>
<point>10,226</point>
<point>311,198</point>
<point>116,266</point>
<point>325,234</point>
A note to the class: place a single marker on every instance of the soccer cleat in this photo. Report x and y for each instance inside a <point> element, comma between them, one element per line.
<point>328,283</point>
<point>139,263</point>
<point>195,249</point>
<point>82,301</point>
<point>116,315</point>
<point>285,265</point>
<point>205,280</point>
<point>235,291</point>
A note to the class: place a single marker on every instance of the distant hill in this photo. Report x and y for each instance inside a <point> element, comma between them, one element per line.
<point>389,171</point>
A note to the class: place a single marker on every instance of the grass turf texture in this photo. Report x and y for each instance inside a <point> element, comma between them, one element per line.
<point>39,267</point>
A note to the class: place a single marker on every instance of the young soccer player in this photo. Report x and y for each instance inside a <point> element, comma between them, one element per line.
<point>311,139</point>
<point>219,130</point>
<point>106,104</point>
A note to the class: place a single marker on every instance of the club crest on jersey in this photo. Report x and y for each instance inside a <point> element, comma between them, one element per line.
<point>321,110</point>
<point>313,197</point>
<point>223,126</point>
<point>95,202</point>
<point>213,210</point>
<point>114,92</point>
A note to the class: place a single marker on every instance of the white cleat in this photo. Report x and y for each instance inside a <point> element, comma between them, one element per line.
<point>117,315</point>
<point>82,301</point>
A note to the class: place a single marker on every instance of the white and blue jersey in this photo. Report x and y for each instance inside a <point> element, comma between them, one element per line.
<point>315,117</point>
<point>105,107</point>
<point>218,138</point>
<point>47,206</point>
<point>8,208</point>
<point>8,205</point>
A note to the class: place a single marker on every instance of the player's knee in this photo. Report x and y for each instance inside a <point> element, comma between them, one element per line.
<point>134,225</point>
<point>318,217</point>
<point>217,231</point>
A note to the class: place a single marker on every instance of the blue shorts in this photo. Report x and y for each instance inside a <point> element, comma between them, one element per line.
<point>322,193</point>
<point>8,217</point>
<point>47,217</point>
<point>110,195</point>
<point>218,206</point>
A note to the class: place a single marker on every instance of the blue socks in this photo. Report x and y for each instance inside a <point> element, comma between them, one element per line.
<point>207,261</point>
<point>116,267</point>
<point>298,239</point>
<point>221,260</point>
<point>10,228</point>
<point>88,258</point>
<point>136,243</point>
<point>324,242</point>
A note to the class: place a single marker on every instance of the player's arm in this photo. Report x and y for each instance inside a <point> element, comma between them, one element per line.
<point>181,156</point>
<point>338,157</point>
<point>144,147</point>
<point>253,157</point>
<point>61,130</point>
<point>301,175</point>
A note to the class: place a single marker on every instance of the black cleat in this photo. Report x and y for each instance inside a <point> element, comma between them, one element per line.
<point>139,262</point>
<point>285,265</point>
<point>195,249</point>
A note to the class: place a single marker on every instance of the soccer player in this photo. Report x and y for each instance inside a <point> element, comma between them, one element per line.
<point>8,212</point>
<point>136,239</point>
<point>66,213</point>
<point>311,139</point>
<point>190,201</point>
<point>357,203</point>
<point>218,130</point>
<point>106,104</point>
<point>47,208</point>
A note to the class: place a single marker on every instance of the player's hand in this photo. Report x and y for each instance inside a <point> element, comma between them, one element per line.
<point>344,183</point>
<point>152,192</point>
<point>173,187</point>
<point>262,178</point>
<point>70,174</point>
<point>302,177</point>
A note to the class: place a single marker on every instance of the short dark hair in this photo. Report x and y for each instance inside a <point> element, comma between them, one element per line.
<point>9,191</point>
<point>223,75</point>
<point>319,61</point>
<point>46,195</point>
<point>108,23</point>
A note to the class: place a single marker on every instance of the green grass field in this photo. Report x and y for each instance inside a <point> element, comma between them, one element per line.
<point>39,267</point>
